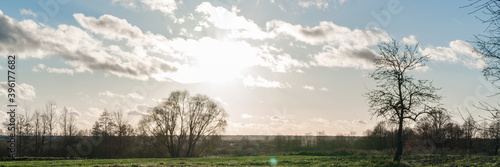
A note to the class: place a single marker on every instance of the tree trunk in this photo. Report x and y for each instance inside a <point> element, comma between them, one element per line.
<point>496,145</point>
<point>399,143</point>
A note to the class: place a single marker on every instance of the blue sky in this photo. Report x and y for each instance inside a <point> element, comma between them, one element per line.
<point>287,67</point>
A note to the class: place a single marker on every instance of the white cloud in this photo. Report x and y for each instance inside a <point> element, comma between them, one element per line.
<point>73,111</point>
<point>95,111</point>
<point>341,46</point>
<point>139,109</point>
<point>246,116</point>
<point>282,8</point>
<point>134,95</point>
<point>42,67</point>
<point>23,91</point>
<point>320,120</point>
<point>220,101</point>
<point>81,50</point>
<point>320,4</point>
<point>276,118</point>
<point>229,20</point>
<point>457,51</point>
<point>328,32</point>
<point>324,89</point>
<point>201,60</point>
<point>167,7</point>
<point>359,122</point>
<point>346,56</point>
<point>261,82</point>
<point>89,115</point>
<point>28,12</point>
<point>410,40</point>
<point>308,87</point>
<point>278,61</point>
<point>109,26</point>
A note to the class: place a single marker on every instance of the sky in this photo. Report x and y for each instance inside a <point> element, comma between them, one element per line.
<point>277,66</point>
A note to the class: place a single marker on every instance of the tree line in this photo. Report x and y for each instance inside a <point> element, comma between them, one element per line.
<point>431,134</point>
<point>179,126</point>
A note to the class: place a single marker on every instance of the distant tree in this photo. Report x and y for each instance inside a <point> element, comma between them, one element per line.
<point>50,122</point>
<point>68,127</point>
<point>211,145</point>
<point>399,96</point>
<point>71,126</point>
<point>279,143</point>
<point>96,129</point>
<point>321,142</point>
<point>469,127</point>
<point>181,121</point>
<point>494,132</point>
<point>123,129</point>
<point>308,140</point>
<point>39,131</point>
<point>64,122</point>
<point>23,131</point>
<point>379,137</point>
<point>453,133</point>
<point>104,126</point>
<point>432,127</point>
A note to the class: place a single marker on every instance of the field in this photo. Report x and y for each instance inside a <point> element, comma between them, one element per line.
<point>350,160</point>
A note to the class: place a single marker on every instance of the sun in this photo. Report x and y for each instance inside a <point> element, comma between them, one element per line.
<point>220,61</point>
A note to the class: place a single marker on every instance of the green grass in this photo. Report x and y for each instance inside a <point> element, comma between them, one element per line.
<point>350,160</point>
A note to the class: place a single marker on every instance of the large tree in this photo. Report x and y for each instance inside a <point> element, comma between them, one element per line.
<point>488,44</point>
<point>399,96</point>
<point>180,122</point>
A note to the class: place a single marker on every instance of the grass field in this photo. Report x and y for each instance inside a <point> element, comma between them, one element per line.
<point>350,160</point>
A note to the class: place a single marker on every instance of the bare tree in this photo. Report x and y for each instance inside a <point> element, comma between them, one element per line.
<point>399,96</point>
<point>438,120</point>
<point>106,124</point>
<point>64,121</point>
<point>25,130</point>
<point>168,117</point>
<point>39,131</point>
<point>469,127</point>
<point>50,121</point>
<point>181,121</point>
<point>488,45</point>
<point>205,118</point>
<point>68,126</point>
<point>379,136</point>
<point>123,128</point>
<point>71,125</point>
<point>494,131</point>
